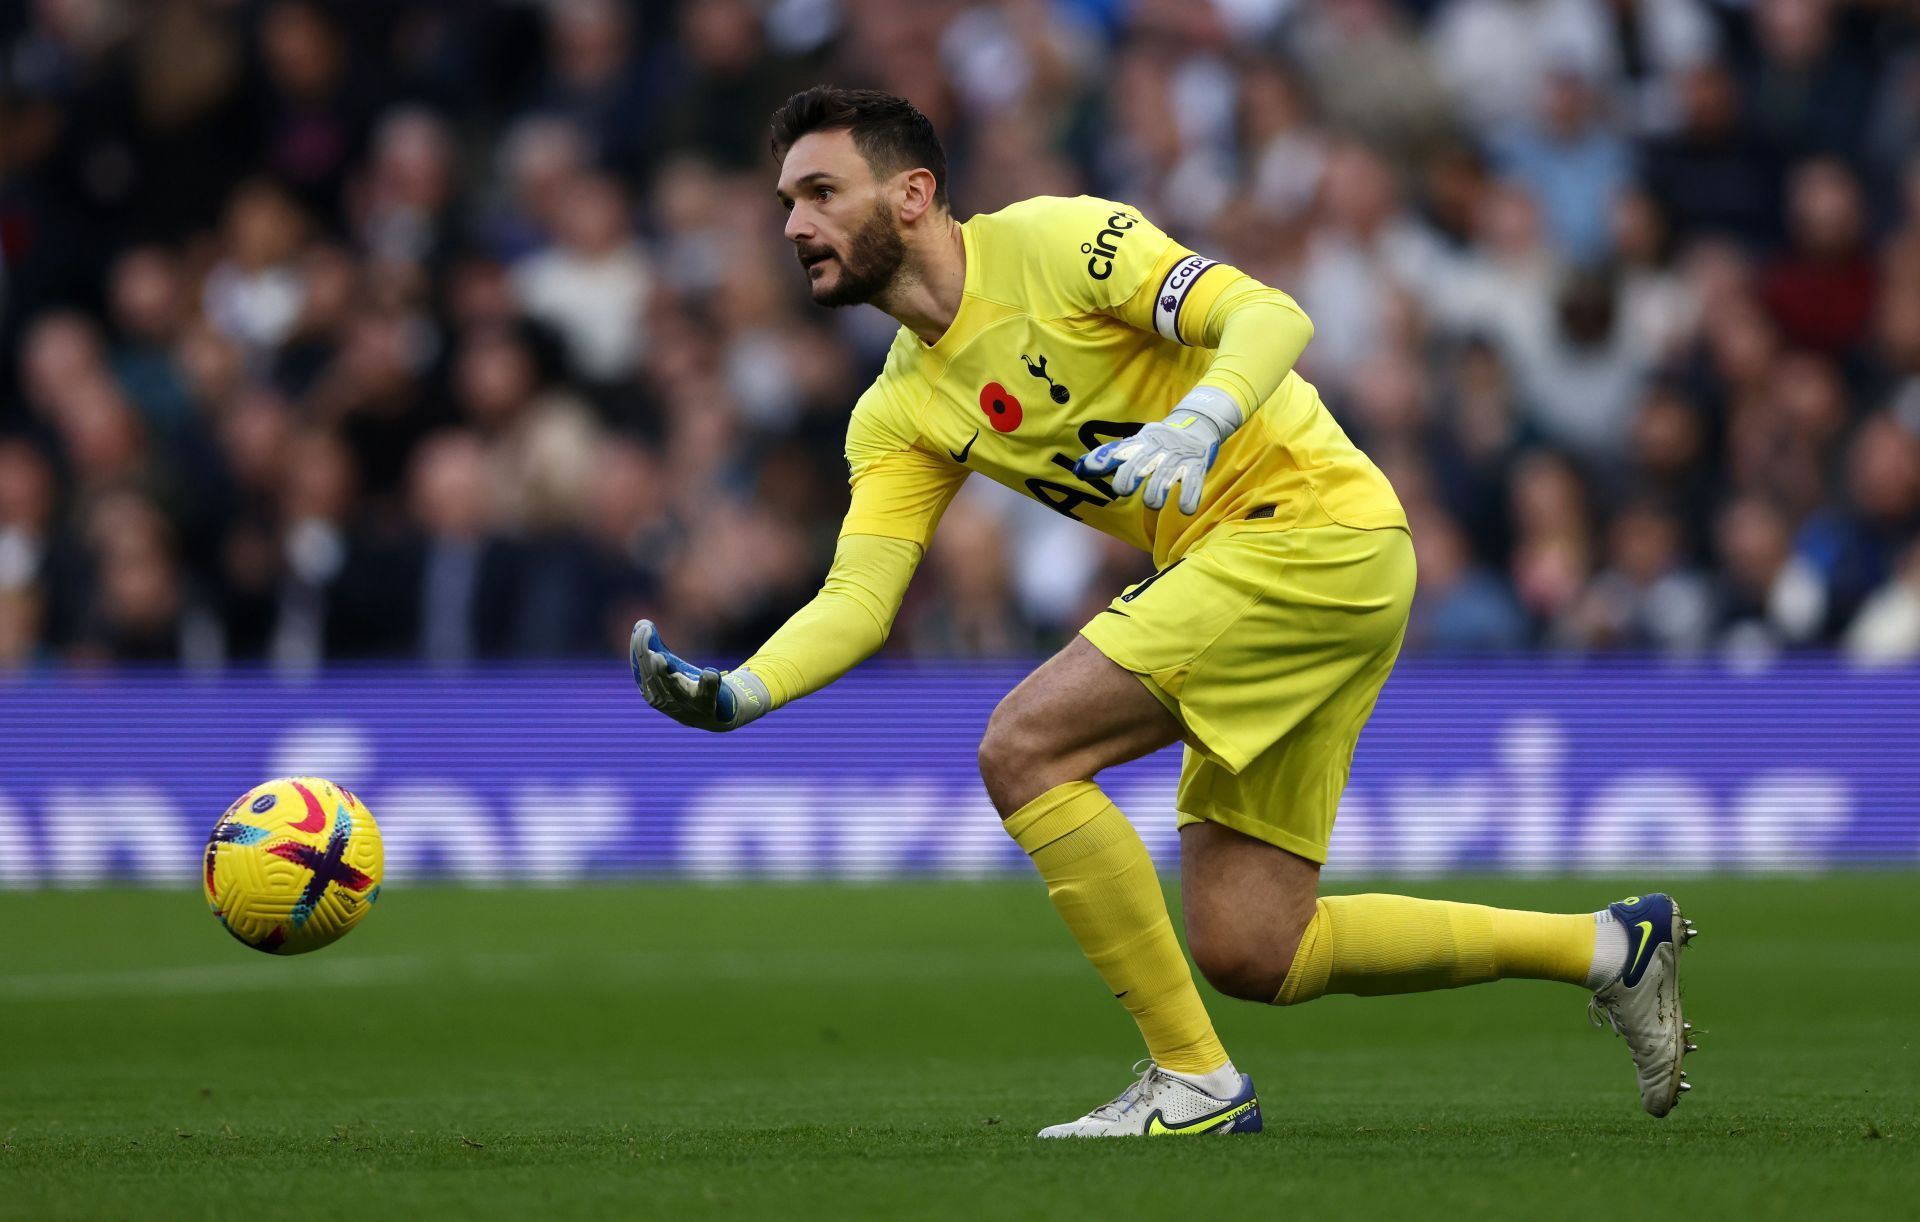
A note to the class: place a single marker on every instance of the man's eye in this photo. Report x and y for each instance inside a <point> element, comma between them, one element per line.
<point>822,193</point>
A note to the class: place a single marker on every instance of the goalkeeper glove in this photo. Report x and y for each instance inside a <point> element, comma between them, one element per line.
<point>1177,450</point>
<point>697,696</point>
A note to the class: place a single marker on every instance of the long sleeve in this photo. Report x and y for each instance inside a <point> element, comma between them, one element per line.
<point>1257,333</point>
<point>844,624</point>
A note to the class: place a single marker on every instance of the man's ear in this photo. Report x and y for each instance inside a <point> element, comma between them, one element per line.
<point>917,189</point>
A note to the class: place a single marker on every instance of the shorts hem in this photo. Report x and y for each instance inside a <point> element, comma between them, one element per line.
<point>1279,838</point>
<point>1198,732</point>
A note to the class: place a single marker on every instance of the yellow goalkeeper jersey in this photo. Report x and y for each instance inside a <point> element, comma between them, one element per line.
<point>1080,322</point>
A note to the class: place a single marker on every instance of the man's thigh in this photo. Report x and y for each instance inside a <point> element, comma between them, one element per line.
<point>1075,715</point>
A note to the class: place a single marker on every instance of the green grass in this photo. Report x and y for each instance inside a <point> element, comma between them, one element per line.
<point>887,1052</point>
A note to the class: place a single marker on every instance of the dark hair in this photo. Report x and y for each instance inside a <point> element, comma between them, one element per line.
<point>889,132</point>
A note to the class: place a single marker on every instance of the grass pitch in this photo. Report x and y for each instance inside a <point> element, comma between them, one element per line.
<point>887,1052</point>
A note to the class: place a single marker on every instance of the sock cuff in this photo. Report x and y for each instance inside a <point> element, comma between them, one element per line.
<point>1057,813</point>
<point>1312,959</point>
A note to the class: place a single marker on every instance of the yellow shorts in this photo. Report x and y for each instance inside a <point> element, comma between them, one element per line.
<point>1270,646</point>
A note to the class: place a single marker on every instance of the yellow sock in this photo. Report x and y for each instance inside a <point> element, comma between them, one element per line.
<point>1373,944</point>
<point>1103,884</point>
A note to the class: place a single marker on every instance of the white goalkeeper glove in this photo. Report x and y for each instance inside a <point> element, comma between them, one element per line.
<point>697,696</point>
<point>1177,450</point>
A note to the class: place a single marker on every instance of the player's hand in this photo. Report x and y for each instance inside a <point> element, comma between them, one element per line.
<point>697,696</point>
<point>1177,450</point>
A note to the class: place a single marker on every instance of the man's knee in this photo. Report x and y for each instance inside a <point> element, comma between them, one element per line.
<point>1242,963</point>
<point>1010,758</point>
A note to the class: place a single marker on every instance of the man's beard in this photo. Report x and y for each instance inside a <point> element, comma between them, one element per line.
<point>868,267</point>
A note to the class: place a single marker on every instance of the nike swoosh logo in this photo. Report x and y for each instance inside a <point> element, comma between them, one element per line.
<point>1646,940</point>
<point>966,449</point>
<point>1206,1124</point>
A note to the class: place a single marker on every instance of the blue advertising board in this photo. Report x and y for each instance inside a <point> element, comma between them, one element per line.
<point>1533,765</point>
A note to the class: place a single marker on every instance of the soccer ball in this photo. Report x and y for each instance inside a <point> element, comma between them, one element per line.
<point>293,865</point>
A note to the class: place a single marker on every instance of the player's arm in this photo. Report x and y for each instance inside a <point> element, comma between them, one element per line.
<point>898,498</point>
<point>1256,334</point>
<point>847,621</point>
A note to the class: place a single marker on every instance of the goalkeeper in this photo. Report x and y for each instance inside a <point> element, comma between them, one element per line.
<point>1069,349</point>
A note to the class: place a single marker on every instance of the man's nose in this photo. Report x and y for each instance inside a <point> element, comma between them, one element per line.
<point>798,228</point>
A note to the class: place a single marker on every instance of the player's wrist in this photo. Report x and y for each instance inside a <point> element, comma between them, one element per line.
<point>1213,405</point>
<point>751,699</point>
<point>1194,430</point>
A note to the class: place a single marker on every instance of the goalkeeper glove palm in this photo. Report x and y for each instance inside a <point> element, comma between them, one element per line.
<point>697,696</point>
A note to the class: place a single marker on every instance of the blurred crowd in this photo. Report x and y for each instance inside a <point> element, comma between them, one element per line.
<point>452,330</point>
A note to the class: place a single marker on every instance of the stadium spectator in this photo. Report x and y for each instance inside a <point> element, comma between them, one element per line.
<point>139,610</point>
<point>1580,368</point>
<point>1647,596</point>
<point>1364,246</point>
<point>1659,310</point>
<point>255,293</point>
<point>1553,552</point>
<point>1501,286</point>
<point>597,80</point>
<point>1460,605</point>
<point>402,205</point>
<point>1488,53</point>
<point>40,572</point>
<point>591,284</point>
<point>312,117</point>
<point>725,84</point>
<point>1624,296</point>
<point>1770,599</point>
<point>1637,49</point>
<point>454,585</point>
<point>1372,77</point>
<point>1714,177</point>
<point>316,615</point>
<point>978,613</point>
<point>373,391</point>
<point>1808,85</point>
<point>1887,630</point>
<point>1671,461</point>
<point>1571,163</point>
<point>146,305</point>
<point>1854,545</point>
<point>539,159</point>
<point>1820,290</point>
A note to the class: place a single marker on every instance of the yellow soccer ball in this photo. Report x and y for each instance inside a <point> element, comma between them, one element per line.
<point>293,865</point>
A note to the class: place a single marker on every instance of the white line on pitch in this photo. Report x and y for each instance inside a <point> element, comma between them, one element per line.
<point>665,966</point>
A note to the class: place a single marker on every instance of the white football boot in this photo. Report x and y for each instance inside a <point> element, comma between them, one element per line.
<point>1161,1104</point>
<point>1643,1002</point>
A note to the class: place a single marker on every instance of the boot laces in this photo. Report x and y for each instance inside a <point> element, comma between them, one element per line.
<point>1131,1097</point>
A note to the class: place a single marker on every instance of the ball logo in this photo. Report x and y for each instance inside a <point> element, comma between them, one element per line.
<point>316,814</point>
<point>1003,410</point>
<point>264,803</point>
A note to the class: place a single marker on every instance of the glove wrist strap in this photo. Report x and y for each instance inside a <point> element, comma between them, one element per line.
<point>751,699</point>
<point>1215,406</point>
